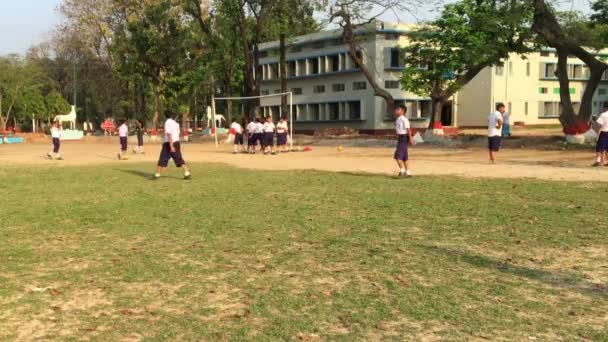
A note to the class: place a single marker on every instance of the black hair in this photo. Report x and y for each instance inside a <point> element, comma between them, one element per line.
<point>605,105</point>
<point>402,107</point>
<point>257,119</point>
<point>169,114</point>
<point>500,105</point>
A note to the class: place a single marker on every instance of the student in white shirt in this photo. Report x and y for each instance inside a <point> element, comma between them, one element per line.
<point>171,147</point>
<point>259,131</point>
<point>404,138</point>
<point>495,131</point>
<point>251,137</point>
<point>269,129</point>
<point>282,134</point>
<point>123,134</point>
<point>601,148</point>
<point>56,137</point>
<point>237,129</point>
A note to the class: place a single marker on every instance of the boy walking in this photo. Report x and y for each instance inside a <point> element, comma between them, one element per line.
<point>56,137</point>
<point>123,134</point>
<point>139,131</point>
<point>269,129</point>
<point>495,131</point>
<point>171,147</point>
<point>404,139</point>
<point>251,140</point>
<point>238,136</point>
<point>601,148</point>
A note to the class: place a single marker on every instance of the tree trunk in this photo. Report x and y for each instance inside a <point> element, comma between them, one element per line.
<point>283,72</point>
<point>156,106</point>
<point>229,102</point>
<point>249,84</point>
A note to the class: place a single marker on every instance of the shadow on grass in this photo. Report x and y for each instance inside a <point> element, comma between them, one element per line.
<point>139,173</point>
<point>556,279</point>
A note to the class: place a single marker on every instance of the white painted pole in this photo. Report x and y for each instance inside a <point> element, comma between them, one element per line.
<point>213,124</point>
<point>291,121</point>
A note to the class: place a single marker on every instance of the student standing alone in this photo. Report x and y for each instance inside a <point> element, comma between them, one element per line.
<point>495,131</point>
<point>404,139</point>
<point>601,148</point>
<point>123,134</point>
<point>56,136</point>
<point>171,147</point>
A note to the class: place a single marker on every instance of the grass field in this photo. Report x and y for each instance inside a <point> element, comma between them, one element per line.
<point>103,253</point>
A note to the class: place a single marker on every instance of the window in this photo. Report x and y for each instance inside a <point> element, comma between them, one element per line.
<point>388,84</point>
<point>601,91</point>
<point>277,91</point>
<point>550,110</point>
<point>295,49</point>
<point>577,71</point>
<point>359,85</point>
<point>318,45</point>
<point>528,69</point>
<point>296,91</point>
<point>314,66</point>
<point>265,92</point>
<point>359,55</point>
<point>499,70</point>
<point>263,54</point>
<point>318,89</point>
<point>545,54</point>
<point>395,58</point>
<point>550,70</point>
<point>543,90</point>
<point>334,111</point>
<point>291,69</point>
<point>334,63</point>
<point>526,108</point>
<point>338,87</point>
<point>354,110</point>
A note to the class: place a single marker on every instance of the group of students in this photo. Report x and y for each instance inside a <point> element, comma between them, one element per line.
<point>262,134</point>
<point>499,119</point>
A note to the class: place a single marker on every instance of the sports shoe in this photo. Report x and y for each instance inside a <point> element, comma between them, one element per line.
<point>188,176</point>
<point>596,164</point>
<point>119,156</point>
<point>49,155</point>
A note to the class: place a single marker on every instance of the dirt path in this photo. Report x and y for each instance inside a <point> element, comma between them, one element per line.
<point>520,163</point>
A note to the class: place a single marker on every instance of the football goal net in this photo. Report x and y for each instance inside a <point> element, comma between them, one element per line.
<point>270,105</point>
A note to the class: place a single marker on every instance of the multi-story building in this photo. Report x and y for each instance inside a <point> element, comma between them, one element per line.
<point>330,91</point>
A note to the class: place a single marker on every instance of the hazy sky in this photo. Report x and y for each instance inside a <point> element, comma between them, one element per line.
<point>24,23</point>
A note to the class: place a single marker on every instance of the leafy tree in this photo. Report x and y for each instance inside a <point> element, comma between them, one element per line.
<point>556,35</point>
<point>56,104</point>
<point>468,36</point>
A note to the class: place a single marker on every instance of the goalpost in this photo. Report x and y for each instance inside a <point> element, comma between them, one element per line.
<point>290,99</point>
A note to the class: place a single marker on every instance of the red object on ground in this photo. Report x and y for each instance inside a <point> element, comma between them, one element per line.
<point>307,149</point>
<point>437,125</point>
<point>577,128</point>
<point>108,126</point>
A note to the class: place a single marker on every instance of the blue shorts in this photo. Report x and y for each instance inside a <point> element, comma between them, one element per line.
<point>602,143</point>
<point>123,143</point>
<point>166,155</point>
<point>401,152</point>
<point>494,143</point>
<point>281,139</point>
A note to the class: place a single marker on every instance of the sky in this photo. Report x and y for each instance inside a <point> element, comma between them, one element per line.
<point>24,23</point>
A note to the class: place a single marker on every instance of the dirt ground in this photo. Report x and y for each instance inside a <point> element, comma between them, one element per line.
<point>565,165</point>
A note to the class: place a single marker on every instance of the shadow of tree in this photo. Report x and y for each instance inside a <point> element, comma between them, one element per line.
<point>568,281</point>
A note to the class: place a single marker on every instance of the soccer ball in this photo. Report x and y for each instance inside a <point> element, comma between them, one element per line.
<point>340,148</point>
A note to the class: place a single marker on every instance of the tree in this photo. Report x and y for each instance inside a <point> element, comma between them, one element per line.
<point>55,104</point>
<point>351,16</point>
<point>468,36</point>
<point>546,24</point>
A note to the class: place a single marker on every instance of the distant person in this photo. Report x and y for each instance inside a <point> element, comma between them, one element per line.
<point>404,139</point>
<point>56,138</point>
<point>238,136</point>
<point>601,148</point>
<point>251,137</point>
<point>171,147</point>
<point>139,131</point>
<point>282,135</point>
<point>259,132</point>
<point>495,131</point>
<point>269,130</point>
<point>123,135</point>
<point>506,125</point>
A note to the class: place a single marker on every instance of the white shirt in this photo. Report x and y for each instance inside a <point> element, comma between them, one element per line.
<point>55,132</point>
<point>282,127</point>
<point>237,127</point>
<point>402,125</point>
<point>171,127</point>
<point>602,120</point>
<point>492,122</point>
<point>269,127</point>
<point>259,127</point>
<point>123,131</point>
<point>506,119</point>
<point>251,127</point>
